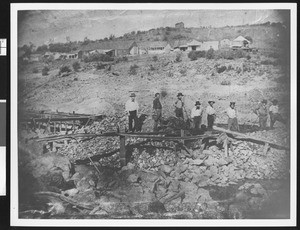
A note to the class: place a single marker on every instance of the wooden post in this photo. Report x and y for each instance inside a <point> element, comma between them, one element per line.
<point>47,127</point>
<point>54,128</point>
<point>182,135</point>
<point>266,148</point>
<point>225,145</point>
<point>122,151</point>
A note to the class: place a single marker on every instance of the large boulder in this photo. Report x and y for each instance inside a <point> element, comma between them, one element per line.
<point>49,162</point>
<point>51,172</point>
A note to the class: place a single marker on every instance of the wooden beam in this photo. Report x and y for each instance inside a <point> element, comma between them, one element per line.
<point>243,136</point>
<point>168,138</point>
<point>78,135</point>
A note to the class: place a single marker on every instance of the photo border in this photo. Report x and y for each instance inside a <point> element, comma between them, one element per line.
<point>15,221</point>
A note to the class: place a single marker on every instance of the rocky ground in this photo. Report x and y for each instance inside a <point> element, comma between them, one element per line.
<point>161,179</point>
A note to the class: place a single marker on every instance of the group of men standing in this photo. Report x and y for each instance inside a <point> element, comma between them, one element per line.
<point>197,113</point>
<point>262,111</point>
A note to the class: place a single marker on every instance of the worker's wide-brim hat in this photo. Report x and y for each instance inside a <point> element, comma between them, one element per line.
<point>197,103</point>
<point>264,101</point>
<point>211,102</point>
<point>232,103</point>
<point>179,94</point>
<point>132,95</point>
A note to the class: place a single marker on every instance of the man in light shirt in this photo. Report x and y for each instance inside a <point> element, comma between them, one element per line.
<point>131,108</point>
<point>196,115</point>
<point>211,115</point>
<point>232,117</point>
<point>274,114</point>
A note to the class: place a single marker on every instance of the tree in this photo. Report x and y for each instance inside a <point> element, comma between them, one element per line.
<point>27,50</point>
<point>249,39</point>
<point>42,49</point>
<point>111,37</point>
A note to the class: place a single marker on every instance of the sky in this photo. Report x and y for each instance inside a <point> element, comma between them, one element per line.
<point>38,26</point>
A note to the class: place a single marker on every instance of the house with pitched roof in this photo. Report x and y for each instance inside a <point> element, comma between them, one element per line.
<point>194,45</point>
<point>180,45</point>
<point>154,47</point>
<point>240,42</point>
<point>111,48</point>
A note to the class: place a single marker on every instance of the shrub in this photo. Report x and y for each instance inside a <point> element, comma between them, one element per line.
<point>121,59</point>
<point>76,66</point>
<point>124,58</point>
<point>231,54</point>
<point>269,62</point>
<point>239,54</point>
<point>225,82</point>
<point>210,54</point>
<point>163,93</point>
<point>194,55</point>
<point>178,57</point>
<point>182,71</point>
<point>64,69</point>
<point>246,68</point>
<point>96,57</point>
<point>170,74</point>
<point>45,71</point>
<point>230,68</point>
<point>100,66</point>
<point>221,69</point>
<point>152,68</point>
<point>35,70</point>
<point>155,58</point>
<point>132,70</point>
<point>60,47</point>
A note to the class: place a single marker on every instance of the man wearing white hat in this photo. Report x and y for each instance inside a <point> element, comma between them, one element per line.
<point>211,114</point>
<point>131,108</point>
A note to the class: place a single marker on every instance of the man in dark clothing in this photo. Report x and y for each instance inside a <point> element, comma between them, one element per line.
<point>179,106</point>
<point>262,112</point>
<point>157,107</point>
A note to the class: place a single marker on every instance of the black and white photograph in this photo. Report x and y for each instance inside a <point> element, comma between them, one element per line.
<point>153,114</point>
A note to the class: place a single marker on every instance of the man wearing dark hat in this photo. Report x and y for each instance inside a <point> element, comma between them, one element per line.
<point>274,114</point>
<point>132,107</point>
<point>232,117</point>
<point>196,115</point>
<point>211,115</point>
<point>157,107</point>
<point>262,112</point>
<point>179,106</point>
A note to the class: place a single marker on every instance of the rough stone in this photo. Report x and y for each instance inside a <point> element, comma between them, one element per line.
<point>166,168</point>
<point>133,178</point>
